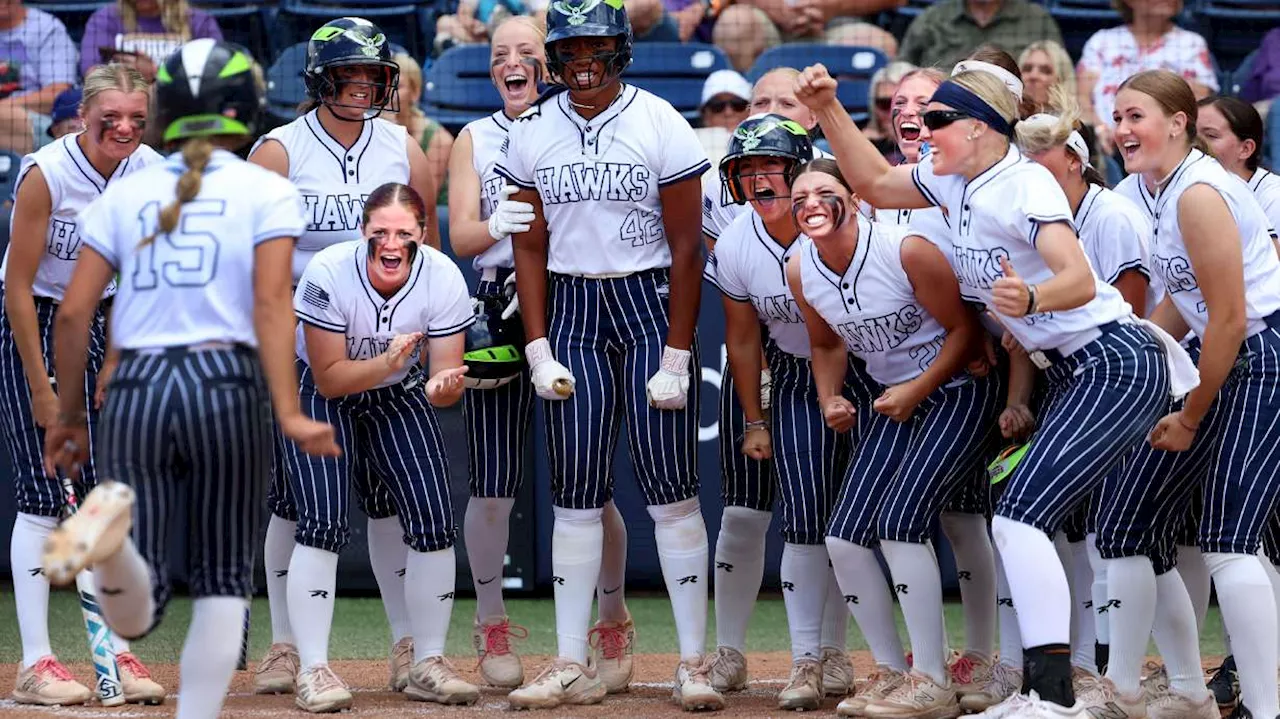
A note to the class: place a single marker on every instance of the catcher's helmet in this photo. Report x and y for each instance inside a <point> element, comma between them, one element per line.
<point>764,135</point>
<point>494,351</point>
<point>346,42</point>
<point>589,18</point>
<point>209,87</point>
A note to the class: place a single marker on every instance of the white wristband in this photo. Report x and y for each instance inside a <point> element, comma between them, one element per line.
<point>676,361</point>
<point>538,351</point>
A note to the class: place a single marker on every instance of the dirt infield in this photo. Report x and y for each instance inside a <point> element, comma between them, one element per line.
<point>650,695</point>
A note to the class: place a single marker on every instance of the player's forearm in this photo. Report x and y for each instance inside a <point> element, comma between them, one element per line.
<point>743,346</point>
<point>273,323</point>
<point>70,355</point>
<point>531,282</point>
<point>346,377</point>
<point>20,308</point>
<point>469,238</point>
<point>830,365</point>
<point>1219,349</point>
<point>686,291</point>
<point>1022,379</point>
<point>433,223</point>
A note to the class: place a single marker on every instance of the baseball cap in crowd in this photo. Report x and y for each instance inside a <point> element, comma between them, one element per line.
<point>725,82</point>
<point>65,106</point>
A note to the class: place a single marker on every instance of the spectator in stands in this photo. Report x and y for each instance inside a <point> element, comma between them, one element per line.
<point>142,33</point>
<point>747,28</point>
<point>37,62</point>
<point>1148,40</point>
<point>879,129</point>
<point>943,34</point>
<point>435,141</point>
<point>1044,65</point>
<point>726,101</point>
<point>1263,83</point>
<point>475,20</point>
<point>66,114</point>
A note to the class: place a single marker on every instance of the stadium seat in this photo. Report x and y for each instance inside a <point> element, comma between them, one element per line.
<point>401,21</point>
<point>675,72</point>
<point>1234,28</point>
<point>852,66</point>
<point>244,22</point>
<point>75,15</point>
<point>457,88</point>
<point>898,20</point>
<point>285,89</point>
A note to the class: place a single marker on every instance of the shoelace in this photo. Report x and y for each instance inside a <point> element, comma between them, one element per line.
<point>807,673</point>
<point>962,670</point>
<point>612,640</point>
<point>326,680</point>
<point>497,637</point>
<point>701,671</point>
<point>49,665</point>
<point>878,680</point>
<point>130,662</point>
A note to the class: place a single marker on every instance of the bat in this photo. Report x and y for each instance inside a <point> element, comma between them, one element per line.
<point>562,387</point>
<point>101,640</point>
<point>243,662</point>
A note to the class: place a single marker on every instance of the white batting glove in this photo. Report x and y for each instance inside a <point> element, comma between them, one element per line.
<point>509,290</point>
<point>766,389</point>
<point>509,216</point>
<point>551,380</point>
<point>668,388</point>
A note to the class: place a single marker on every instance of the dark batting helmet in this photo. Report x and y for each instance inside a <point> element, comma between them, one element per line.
<point>208,87</point>
<point>589,18</point>
<point>765,135</point>
<point>347,42</point>
<point>494,352</point>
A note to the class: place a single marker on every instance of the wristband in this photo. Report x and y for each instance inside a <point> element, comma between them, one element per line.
<point>1031,299</point>
<point>676,361</point>
<point>759,424</point>
<point>538,351</point>
<point>74,418</point>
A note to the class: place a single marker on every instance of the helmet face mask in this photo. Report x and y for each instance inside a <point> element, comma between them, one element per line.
<point>588,19</point>
<point>334,54</point>
<point>767,135</point>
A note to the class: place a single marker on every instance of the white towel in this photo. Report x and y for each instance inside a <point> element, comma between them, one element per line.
<point>1183,375</point>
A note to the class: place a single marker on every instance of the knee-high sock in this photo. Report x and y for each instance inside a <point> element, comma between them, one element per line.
<point>866,594</point>
<point>1195,578</point>
<point>1177,636</point>
<point>208,659</point>
<point>1037,581</point>
<point>30,588</point>
<point>681,536</point>
<point>313,579</point>
<point>976,566</point>
<point>804,573</point>
<point>577,541</point>
<point>1063,549</point>
<point>1249,611</point>
<point>1274,575</point>
<point>388,556</point>
<point>486,528</point>
<point>428,588</point>
<point>611,590</point>
<point>277,552</point>
<point>1101,621</point>
<point>835,618</point>
<point>739,571</point>
<point>919,588</point>
<point>1083,634</point>
<point>1131,602</point>
<point>123,584</point>
<point>1010,635</point>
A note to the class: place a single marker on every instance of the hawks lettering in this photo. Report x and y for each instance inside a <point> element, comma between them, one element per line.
<point>883,333</point>
<point>581,181</point>
<point>977,267</point>
<point>64,240</point>
<point>334,213</point>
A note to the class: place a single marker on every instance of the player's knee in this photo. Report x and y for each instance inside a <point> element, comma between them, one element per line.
<point>325,536</point>
<point>676,511</point>
<point>578,516</point>
<point>914,532</point>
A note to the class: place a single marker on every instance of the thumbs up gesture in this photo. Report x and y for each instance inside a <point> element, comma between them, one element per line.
<point>1011,294</point>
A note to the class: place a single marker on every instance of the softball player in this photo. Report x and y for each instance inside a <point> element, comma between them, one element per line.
<point>1233,130</point>
<point>186,429</point>
<point>1012,227</point>
<point>1213,249</point>
<point>54,185</point>
<point>358,367</point>
<point>337,152</point>
<point>498,413</point>
<point>608,281</point>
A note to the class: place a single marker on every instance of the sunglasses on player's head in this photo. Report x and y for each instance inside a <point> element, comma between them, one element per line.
<point>884,103</point>
<point>937,119</point>
<point>738,105</point>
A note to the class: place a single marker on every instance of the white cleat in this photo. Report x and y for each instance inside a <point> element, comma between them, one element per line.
<point>612,644</point>
<point>837,672</point>
<point>435,680</point>
<point>728,670</point>
<point>320,691</point>
<point>563,682</point>
<point>804,691</point>
<point>877,686</point>
<point>693,690</point>
<point>92,534</point>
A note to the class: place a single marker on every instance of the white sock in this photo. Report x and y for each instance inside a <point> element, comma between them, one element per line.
<point>804,572</point>
<point>276,555</point>
<point>313,579</point>
<point>486,528</point>
<point>1131,601</point>
<point>1063,549</point>
<point>681,537</point>
<point>866,595</point>
<point>123,585</point>
<point>1010,635</point>
<point>611,597</point>
<point>1177,637</point>
<point>428,588</point>
<point>976,567</point>
<point>1101,622</point>
<point>739,571</point>
<point>577,541</point>
<point>1037,581</point>
<point>388,556</point>
<point>1195,578</point>
<point>919,589</point>
<point>1249,611</point>
<point>1274,575</point>
<point>30,588</point>
<point>835,617</point>
<point>1083,634</point>
<point>208,659</point>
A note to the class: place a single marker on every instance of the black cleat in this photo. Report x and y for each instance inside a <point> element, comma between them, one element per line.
<point>1225,686</point>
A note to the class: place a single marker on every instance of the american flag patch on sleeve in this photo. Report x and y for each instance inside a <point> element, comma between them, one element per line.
<point>314,296</point>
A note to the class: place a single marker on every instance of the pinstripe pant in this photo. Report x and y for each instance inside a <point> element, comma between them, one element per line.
<point>498,422</point>
<point>1104,399</point>
<point>744,482</point>
<point>34,493</point>
<point>395,434</point>
<point>191,433</point>
<point>903,474</point>
<point>610,334</point>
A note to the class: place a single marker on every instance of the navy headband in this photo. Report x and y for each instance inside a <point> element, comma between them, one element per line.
<point>960,98</point>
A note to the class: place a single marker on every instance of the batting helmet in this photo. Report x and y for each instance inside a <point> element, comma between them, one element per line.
<point>494,351</point>
<point>209,87</point>
<point>765,135</point>
<point>589,18</point>
<point>346,42</point>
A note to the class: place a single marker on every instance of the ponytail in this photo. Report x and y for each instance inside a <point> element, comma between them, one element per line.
<point>195,155</point>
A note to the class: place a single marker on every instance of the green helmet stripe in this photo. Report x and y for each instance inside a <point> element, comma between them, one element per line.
<point>162,75</point>
<point>505,353</point>
<point>203,126</point>
<point>238,63</point>
<point>326,33</point>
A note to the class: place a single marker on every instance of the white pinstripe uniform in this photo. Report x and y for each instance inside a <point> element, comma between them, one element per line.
<point>1266,188</point>
<point>73,183</point>
<point>189,409</point>
<point>599,182</point>
<point>497,419</point>
<point>391,427</point>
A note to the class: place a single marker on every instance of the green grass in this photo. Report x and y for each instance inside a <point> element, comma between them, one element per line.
<point>360,628</point>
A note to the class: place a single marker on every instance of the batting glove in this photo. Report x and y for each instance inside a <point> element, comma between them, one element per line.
<point>509,216</point>
<point>509,291</point>
<point>766,389</point>
<point>551,380</point>
<point>668,388</point>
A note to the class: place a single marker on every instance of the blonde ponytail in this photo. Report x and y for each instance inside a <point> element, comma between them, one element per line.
<point>195,155</point>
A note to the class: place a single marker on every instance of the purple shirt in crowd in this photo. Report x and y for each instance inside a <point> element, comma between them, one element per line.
<point>36,54</point>
<point>105,28</point>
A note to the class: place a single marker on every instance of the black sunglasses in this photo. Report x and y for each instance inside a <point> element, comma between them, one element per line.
<point>720,105</point>
<point>937,119</point>
<point>884,103</point>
